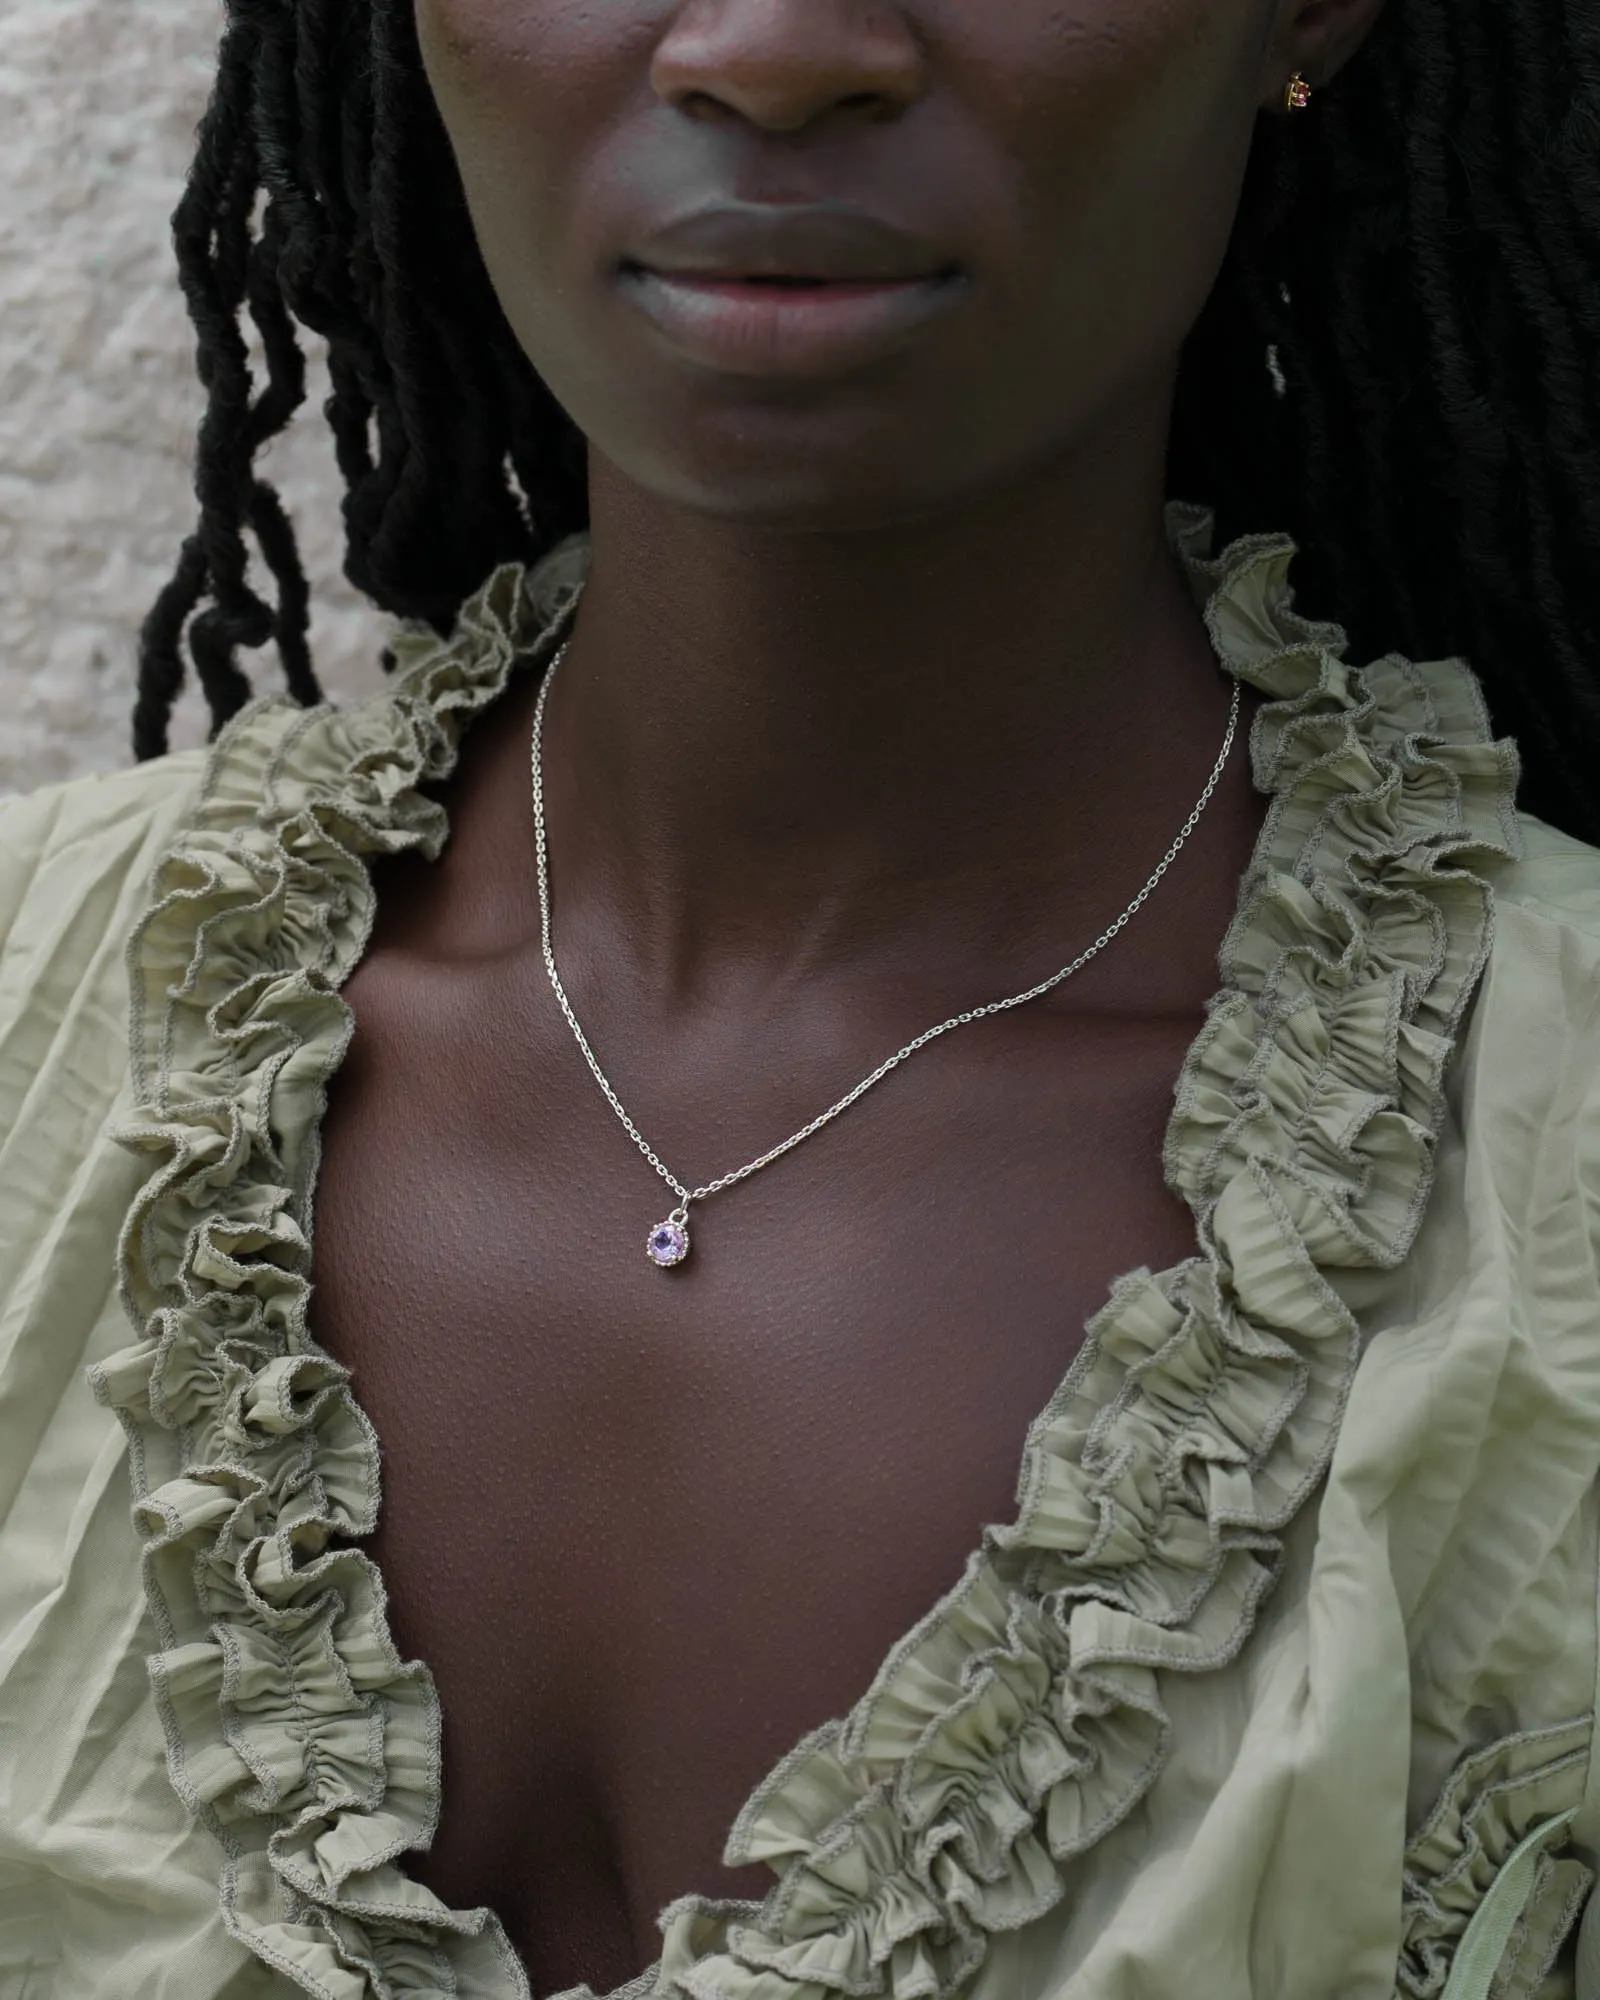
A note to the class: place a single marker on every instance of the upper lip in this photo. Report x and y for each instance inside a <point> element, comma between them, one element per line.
<point>826,242</point>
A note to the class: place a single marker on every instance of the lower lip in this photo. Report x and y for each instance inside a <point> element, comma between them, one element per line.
<point>798,332</point>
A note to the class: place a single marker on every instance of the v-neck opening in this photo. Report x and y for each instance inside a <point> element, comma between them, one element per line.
<point>1022,1717</point>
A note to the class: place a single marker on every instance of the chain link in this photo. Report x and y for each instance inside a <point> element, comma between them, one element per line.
<point>686,1195</point>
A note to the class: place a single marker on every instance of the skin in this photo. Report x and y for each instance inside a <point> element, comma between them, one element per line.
<point>885,697</point>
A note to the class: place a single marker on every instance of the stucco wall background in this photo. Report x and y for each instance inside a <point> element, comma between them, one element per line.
<point>98,397</point>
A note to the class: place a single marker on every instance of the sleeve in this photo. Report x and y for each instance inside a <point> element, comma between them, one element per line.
<point>1586,1823</point>
<point>99,1892</point>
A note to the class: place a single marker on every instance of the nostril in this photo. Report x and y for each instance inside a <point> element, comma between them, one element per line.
<point>787,66</point>
<point>781,105</point>
<point>706,109</point>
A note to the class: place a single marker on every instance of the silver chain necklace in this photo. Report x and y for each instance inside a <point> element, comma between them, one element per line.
<point>668,1242</point>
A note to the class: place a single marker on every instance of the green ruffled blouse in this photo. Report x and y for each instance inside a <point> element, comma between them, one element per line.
<point>1280,1684</point>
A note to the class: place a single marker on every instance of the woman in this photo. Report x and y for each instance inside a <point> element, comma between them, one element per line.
<point>865,678</point>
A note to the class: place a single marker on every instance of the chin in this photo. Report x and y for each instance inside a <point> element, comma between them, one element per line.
<point>805,471</point>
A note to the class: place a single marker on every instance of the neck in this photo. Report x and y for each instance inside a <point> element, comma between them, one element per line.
<point>794,749</point>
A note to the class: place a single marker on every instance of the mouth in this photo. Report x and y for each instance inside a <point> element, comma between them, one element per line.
<point>802,328</point>
<point>788,292</point>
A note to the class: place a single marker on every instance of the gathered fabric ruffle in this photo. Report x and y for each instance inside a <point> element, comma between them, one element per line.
<point>294,1729</point>
<point>1496,1800</point>
<point>1024,1717</point>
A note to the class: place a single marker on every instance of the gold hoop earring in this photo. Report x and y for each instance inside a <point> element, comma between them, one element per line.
<point>1298,94</point>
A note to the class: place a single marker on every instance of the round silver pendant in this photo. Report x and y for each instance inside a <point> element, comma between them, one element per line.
<point>668,1243</point>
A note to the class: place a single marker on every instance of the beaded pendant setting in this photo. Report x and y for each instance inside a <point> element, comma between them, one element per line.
<point>668,1243</point>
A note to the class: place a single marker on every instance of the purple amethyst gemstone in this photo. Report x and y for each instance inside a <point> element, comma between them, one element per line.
<point>667,1244</point>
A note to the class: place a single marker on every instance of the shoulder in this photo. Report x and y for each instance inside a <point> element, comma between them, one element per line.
<point>74,863</point>
<point>1556,878</point>
<point>85,837</point>
<point>1535,1032</point>
<point>1526,1084</point>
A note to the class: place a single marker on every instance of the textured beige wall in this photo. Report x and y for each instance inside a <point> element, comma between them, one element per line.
<point>98,399</point>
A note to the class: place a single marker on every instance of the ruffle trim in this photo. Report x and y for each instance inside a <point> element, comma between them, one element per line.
<point>294,1729</point>
<point>1493,1801</point>
<point>1023,1718</point>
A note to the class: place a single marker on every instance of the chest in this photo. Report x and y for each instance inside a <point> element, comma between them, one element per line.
<point>648,1529</point>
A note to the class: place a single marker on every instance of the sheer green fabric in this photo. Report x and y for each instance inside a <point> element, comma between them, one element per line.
<point>1287,1658</point>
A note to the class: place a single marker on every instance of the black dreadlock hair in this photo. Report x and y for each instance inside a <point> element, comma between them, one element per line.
<point>1400,365</point>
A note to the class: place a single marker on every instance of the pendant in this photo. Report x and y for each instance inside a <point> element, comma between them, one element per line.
<point>668,1243</point>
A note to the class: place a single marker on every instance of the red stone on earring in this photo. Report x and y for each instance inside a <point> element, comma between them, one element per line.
<point>1298,94</point>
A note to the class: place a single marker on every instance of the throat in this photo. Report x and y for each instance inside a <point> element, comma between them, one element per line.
<point>814,737</point>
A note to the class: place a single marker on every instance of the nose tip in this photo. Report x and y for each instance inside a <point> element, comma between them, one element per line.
<point>784,65</point>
